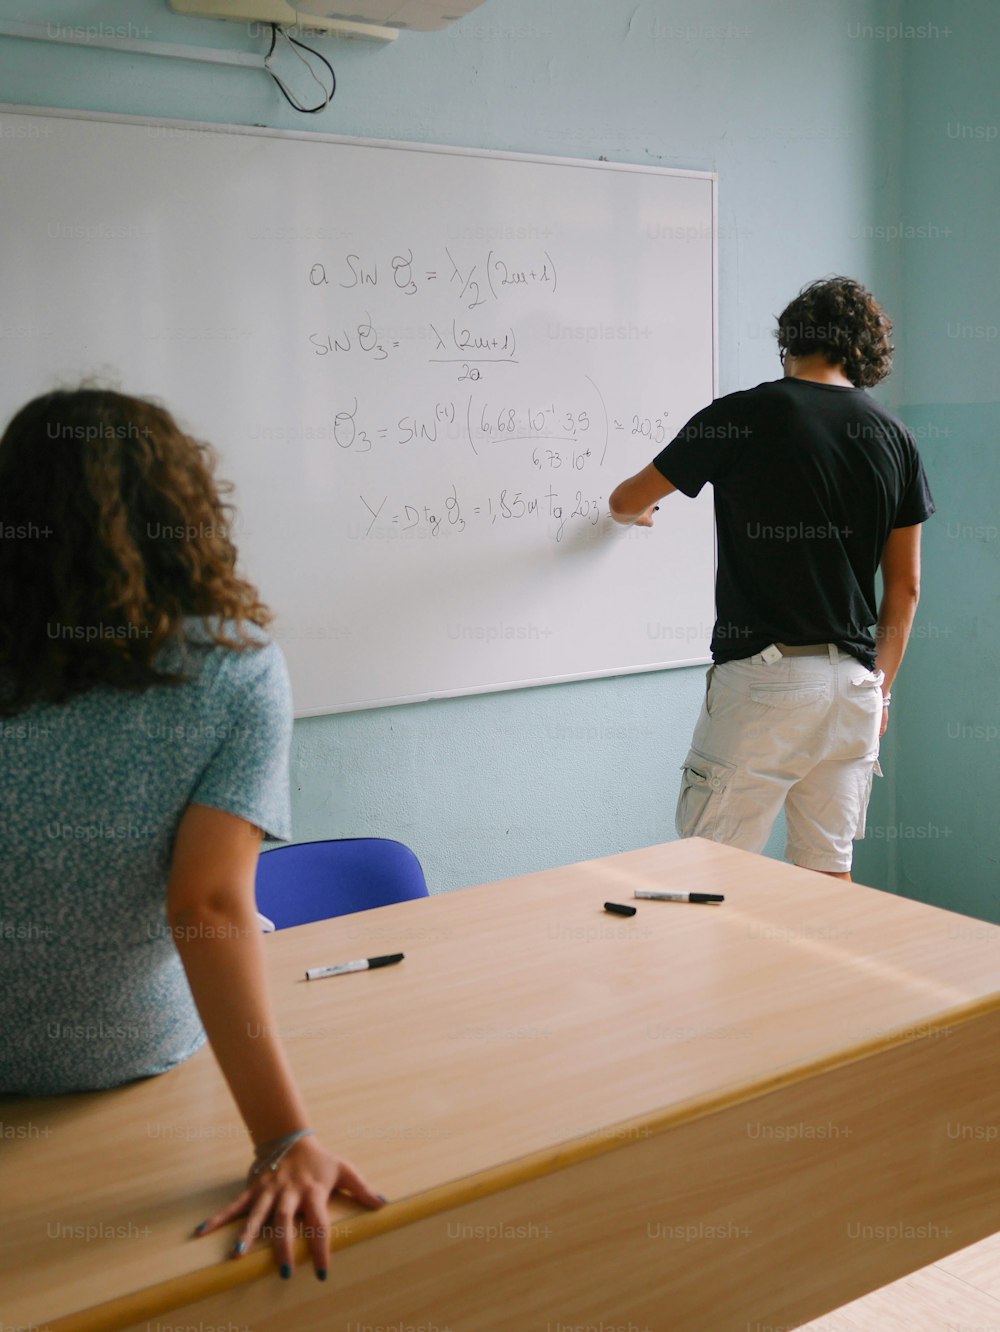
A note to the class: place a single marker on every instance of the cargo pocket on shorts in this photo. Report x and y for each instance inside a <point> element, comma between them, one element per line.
<point>702,799</point>
<point>866,795</point>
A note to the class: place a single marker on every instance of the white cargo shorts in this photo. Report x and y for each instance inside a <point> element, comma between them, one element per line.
<point>800,732</point>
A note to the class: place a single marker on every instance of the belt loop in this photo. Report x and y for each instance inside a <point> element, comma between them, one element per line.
<point>834,653</point>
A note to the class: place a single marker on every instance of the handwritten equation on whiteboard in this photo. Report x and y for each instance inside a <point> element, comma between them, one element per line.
<point>470,284</point>
<point>555,444</point>
<point>478,282</point>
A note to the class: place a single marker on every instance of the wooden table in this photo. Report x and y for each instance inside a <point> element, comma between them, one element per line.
<point>694,1120</point>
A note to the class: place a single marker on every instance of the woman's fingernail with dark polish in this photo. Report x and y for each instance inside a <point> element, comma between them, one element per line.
<point>239,1248</point>
<point>200,1230</point>
<point>381,1197</point>
<point>321,1274</point>
<point>286,1271</point>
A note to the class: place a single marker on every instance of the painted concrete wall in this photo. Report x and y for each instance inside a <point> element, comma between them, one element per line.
<point>941,831</point>
<point>805,111</point>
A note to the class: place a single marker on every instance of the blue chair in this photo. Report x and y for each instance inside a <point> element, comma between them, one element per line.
<point>317,880</point>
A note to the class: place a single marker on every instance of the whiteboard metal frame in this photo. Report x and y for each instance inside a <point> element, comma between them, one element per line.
<point>266,131</point>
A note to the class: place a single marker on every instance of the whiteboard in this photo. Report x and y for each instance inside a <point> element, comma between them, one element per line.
<point>425,370</point>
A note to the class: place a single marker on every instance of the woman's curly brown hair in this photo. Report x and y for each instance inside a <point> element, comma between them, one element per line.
<point>112,531</point>
<point>842,319</point>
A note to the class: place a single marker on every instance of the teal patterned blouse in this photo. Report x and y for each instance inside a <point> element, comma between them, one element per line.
<point>91,794</point>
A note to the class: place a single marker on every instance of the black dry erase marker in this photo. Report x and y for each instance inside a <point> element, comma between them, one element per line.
<point>363,964</point>
<point>709,899</point>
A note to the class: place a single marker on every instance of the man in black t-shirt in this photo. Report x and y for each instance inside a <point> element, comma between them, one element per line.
<point>815,486</point>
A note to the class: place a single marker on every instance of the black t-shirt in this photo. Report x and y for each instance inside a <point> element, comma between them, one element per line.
<point>809,481</point>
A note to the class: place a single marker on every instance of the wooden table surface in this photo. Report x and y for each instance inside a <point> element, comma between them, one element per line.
<point>526,1030</point>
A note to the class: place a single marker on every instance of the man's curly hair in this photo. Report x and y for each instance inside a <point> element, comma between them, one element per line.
<point>115,531</point>
<point>840,318</point>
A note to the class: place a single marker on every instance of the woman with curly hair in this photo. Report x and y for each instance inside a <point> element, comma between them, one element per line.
<point>146,719</point>
<point>816,487</point>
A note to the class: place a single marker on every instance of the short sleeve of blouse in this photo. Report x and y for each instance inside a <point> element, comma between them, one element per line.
<point>247,774</point>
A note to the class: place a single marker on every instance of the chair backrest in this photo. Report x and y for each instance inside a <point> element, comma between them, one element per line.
<point>316,880</point>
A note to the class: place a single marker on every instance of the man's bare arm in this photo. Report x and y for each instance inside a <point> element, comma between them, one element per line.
<point>632,502</point>
<point>900,594</point>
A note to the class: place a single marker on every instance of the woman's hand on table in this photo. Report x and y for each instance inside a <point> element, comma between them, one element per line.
<point>300,1186</point>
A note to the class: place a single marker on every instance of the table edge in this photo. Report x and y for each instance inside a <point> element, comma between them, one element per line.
<point>154,1301</point>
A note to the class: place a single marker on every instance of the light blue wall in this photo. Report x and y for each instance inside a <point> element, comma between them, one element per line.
<point>800,109</point>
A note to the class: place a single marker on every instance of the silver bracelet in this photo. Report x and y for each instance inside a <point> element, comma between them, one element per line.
<point>886,698</point>
<point>269,1155</point>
